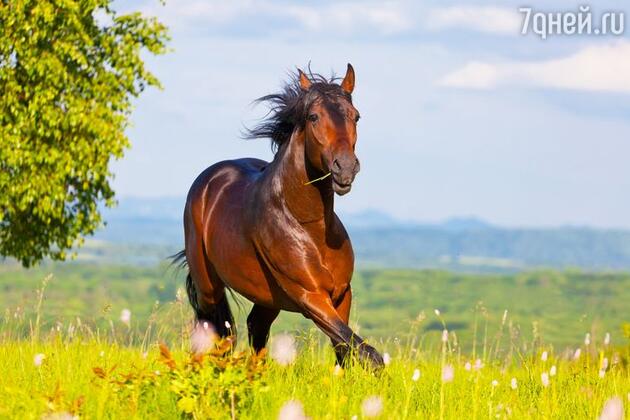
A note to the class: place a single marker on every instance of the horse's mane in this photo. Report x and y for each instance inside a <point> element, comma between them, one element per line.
<point>288,108</point>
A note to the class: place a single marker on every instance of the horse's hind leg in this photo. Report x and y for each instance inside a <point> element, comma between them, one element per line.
<point>206,291</point>
<point>259,323</point>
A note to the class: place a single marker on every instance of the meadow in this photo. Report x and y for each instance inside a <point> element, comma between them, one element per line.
<point>96,341</point>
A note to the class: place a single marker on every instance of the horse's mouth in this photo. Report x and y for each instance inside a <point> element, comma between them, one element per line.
<point>340,188</point>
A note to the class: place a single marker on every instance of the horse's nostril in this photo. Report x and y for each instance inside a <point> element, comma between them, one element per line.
<point>336,165</point>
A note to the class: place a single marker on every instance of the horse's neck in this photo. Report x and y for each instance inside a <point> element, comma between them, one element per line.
<point>306,202</point>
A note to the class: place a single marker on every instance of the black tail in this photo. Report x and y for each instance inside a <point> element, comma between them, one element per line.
<point>219,315</point>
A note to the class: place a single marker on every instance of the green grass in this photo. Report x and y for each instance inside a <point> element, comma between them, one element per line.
<point>95,366</point>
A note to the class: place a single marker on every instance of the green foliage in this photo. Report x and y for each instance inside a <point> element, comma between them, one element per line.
<point>68,72</point>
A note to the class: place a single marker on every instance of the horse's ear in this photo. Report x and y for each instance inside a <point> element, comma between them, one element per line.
<point>348,81</point>
<point>305,83</point>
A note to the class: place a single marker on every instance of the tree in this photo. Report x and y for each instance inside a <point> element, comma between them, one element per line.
<point>69,70</point>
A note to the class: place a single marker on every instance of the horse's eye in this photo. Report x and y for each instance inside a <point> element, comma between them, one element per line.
<point>313,117</point>
<point>357,118</point>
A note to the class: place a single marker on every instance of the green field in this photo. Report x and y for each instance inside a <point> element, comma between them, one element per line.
<point>96,366</point>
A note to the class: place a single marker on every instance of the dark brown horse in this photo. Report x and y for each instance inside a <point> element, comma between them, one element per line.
<point>268,229</point>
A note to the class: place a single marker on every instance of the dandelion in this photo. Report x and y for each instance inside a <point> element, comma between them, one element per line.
<point>577,354</point>
<point>125,316</point>
<point>387,359</point>
<point>292,410</point>
<point>228,325</point>
<point>444,336</point>
<point>478,364</point>
<point>338,371</point>
<point>553,371</point>
<point>544,377</point>
<point>587,339</point>
<point>607,339</point>
<point>437,312</point>
<point>39,359</point>
<point>495,383</point>
<point>544,356</point>
<point>613,409</point>
<point>468,366</point>
<point>372,406</point>
<point>202,338</point>
<point>514,383</point>
<point>283,349</point>
<point>448,373</point>
<point>416,375</point>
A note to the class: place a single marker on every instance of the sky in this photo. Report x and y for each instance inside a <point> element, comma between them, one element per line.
<point>462,114</point>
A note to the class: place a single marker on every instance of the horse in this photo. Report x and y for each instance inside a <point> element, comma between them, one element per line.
<point>268,230</point>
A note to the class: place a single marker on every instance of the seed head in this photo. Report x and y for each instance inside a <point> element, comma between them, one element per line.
<point>544,377</point>
<point>613,409</point>
<point>514,383</point>
<point>39,359</point>
<point>125,316</point>
<point>416,375</point>
<point>283,349</point>
<point>448,374</point>
<point>553,371</point>
<point>292,410</point>
<point>372,406</point>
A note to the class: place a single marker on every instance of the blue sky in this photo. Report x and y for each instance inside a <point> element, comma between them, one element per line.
<point>461,114</point>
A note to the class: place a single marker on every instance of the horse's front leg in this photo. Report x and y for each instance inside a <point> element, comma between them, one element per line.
<point>343,309</point>
<point>319,307</point>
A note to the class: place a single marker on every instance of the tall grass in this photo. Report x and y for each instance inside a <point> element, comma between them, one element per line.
<point>49,370</point>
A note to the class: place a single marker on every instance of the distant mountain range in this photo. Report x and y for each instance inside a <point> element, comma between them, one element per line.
<point>148,229</point>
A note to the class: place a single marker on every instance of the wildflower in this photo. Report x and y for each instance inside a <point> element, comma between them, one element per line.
<point>577,354</point>
<point>292,410</point>
<point>602,373</point>
<point>202,338</point>
<point>613,409</point>
<point>39,359</point>
<point>544,356</point>
<point>544,377</point>
<point>387,359</point>
<point>125,316</point>
<point>514,383</point>
<point>605,363</point>
<point>478,364</point>
<point>437,312</point>
<point>228,325</point>
<point>444,336</point>
<point>553,371</point>
<point>338,371</point>
<point>372,406</point>
<point>468,366</point>
<point>64,415</point>
<point>416,375</point>
<point>448,373</point>
<point>495,383</point>
<point>157,373</point>
<point>102,353</point>
<point>607,339</point>
<point>283,349</point>
<point>587,339</point>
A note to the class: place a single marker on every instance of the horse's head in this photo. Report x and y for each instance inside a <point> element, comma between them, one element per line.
<point>330,129</point>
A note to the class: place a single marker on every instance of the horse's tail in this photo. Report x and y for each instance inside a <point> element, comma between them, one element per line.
<point>220,316</point>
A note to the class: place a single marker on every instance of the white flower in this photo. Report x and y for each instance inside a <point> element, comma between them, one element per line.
<point>544,356</point>
<point>478,364</point>
<point>613,409</point>
<point>448,373</point>
<point>387,359</point>
<point>125,316</point>
<point>544,377</point>
<point>202,338</point>
<point>467,366</point>
<point>283,349</point>
<point>39,359</point>
<point>602,373</point>
<point>587,339</point>
<point>495,383</point>
<point>437,312</point>
<point>514,383</point>
<point>444,336</point>
<point>577,354</point>
<point>372,406</point>
<point>228,325</point>
<point>292,410</point>
<point>416,375</point>
<point>605,363</point>
<point>553,371</point>
<point>607,339</point>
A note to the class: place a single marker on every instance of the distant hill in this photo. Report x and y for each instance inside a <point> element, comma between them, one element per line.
<point>153,228</point>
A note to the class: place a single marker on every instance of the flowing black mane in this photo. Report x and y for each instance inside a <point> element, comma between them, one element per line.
<point>288,109</point>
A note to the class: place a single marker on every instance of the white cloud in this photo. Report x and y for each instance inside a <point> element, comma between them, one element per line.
<point>597,68</point>
<point>486,19</point>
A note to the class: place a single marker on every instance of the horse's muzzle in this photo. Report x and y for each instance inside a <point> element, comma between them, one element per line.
<point>344,169</point>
